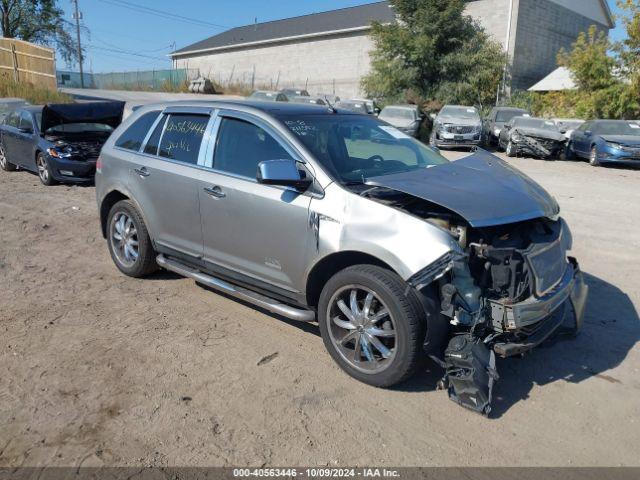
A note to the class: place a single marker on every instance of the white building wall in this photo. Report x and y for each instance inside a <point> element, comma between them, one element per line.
<point>324,65</point>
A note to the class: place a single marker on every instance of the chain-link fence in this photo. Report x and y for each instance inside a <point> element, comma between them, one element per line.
<point>153,80</point>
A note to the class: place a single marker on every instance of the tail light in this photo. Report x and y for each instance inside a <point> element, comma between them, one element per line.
<point>99,164</point>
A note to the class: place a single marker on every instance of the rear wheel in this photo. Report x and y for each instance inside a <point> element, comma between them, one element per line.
<point>593,157</point>
<point>372,325</point>
<point>129,242</point>
<point>44,171</point>
<point>4,163</point>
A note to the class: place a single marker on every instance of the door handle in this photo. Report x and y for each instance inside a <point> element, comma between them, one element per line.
<point>215,192</point>
<point>143,172</point>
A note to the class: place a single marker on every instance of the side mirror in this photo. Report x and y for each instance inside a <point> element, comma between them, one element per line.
<point>376,111</point>
<point>284,173</point>
<point>563,130</point>
<point>507,127</point>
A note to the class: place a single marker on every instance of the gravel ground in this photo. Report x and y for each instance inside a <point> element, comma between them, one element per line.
<point>100,369</point>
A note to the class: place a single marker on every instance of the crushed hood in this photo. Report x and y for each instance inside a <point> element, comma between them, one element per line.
<point>481,188</point>
<point>107,113</point>
<point>540,133</point>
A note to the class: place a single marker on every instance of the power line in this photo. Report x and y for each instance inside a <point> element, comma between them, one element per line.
<point>128,52</point>
<point>162,13</point>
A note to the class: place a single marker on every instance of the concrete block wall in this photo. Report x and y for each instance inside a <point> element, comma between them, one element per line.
<point>493,15</point>
<point>322,64</point>
<point>543,29</point>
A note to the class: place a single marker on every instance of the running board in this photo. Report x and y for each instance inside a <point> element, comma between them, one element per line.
<point>238,292</point>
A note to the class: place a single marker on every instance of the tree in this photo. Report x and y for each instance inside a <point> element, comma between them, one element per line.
<point>628,49</point>
<point>434,53</point>
<point>39,21</point>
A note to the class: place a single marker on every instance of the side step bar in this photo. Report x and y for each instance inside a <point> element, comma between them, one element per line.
<point>238,292</point>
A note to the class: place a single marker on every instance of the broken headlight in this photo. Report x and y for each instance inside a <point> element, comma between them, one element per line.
<point>60,152</point>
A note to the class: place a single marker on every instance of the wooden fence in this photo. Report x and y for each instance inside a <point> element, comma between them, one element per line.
<point>27,62</point>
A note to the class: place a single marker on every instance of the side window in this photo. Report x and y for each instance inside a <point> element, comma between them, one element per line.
<point>584,127</point>
<point>154,140</point>
<point>25,120</point>
<point>182,137</point>
<point>133,136</point>
<point>241,146</point>
<point>13,119</point>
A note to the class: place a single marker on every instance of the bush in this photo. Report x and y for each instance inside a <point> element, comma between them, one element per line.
<point>32,93</point>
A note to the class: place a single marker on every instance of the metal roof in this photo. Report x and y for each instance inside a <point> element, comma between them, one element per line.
<point>559,79</point>
<point>344,19</point>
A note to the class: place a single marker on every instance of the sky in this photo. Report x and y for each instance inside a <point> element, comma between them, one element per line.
<point>124,36</point>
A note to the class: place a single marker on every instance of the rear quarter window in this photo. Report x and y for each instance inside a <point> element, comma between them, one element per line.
<point>133,136</point>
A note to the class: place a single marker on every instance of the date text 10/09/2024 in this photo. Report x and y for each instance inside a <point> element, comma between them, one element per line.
<point>316,472</point>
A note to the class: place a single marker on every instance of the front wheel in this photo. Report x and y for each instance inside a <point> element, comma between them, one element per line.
<point>593,157</point>
<point>129,242</point>
<point>372,325</point>
<point>4,163</point>
<point>511,149</point>
<point>44,171</point>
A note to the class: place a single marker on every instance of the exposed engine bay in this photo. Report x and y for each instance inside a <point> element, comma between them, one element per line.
<point>511,289</point>
<point>82,146</point>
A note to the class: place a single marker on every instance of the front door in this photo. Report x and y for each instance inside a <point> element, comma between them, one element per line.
<point>23,149</point>
<point>258,231</point>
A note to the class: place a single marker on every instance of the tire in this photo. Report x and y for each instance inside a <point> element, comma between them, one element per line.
<point>129,242</point>
<point>510,150</point>
<point>432,140</point>
<point>4,163</point>
<point>44,171</point>
<point>593,157</point>
<point>390,348</point>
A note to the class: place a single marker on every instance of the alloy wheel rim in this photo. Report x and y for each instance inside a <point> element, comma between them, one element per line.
<point>3,159</point>
<point>594,156</point>
<point>362,329</point>
<point>42,169</point>
<point>509,148</point>
<point>124,238</point>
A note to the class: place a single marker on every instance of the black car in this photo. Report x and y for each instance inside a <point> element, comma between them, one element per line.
<point>534,137</point>
<point>61,143</point>
<point>497,118</point>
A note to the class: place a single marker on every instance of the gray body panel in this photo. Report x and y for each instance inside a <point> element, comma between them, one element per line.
<point>481,188</point>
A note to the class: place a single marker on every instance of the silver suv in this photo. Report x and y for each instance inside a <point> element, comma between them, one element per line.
<point>318,214</point>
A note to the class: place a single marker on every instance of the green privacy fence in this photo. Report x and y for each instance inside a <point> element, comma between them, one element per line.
<point>169,79</point>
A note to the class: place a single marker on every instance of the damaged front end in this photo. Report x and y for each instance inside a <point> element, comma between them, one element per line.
<point>509,287</point>
<point>537,145</point>
<point>512,289</point>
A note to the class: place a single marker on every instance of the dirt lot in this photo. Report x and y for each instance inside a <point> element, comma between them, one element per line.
<point>100,369</point>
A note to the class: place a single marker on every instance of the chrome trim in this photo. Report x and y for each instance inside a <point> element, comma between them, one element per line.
<point>238,292</point>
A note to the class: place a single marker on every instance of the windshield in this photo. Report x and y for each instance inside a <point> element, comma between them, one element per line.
<point>617,128</point>
<point>506,115</point>
<point>460,112</point>
<point>79,128</point>
<point>354,148</point>
<point>397,112</point>
<point>527,122</point>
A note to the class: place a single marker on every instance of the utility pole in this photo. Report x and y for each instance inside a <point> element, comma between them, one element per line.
<point>77,15</point>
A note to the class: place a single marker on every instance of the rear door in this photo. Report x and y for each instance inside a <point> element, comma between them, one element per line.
<point>165,176</point>
<point>260,232</point>
<point>9,136</point>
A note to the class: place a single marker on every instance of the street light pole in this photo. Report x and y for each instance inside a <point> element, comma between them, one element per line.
<point>77,15</point>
